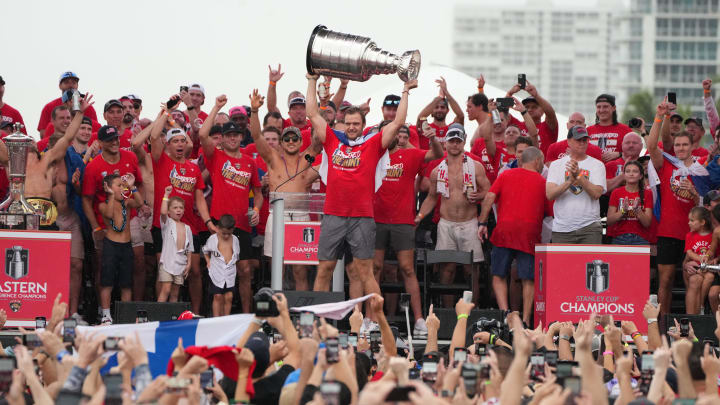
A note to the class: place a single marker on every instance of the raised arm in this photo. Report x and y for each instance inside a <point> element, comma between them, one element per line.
<point>311,108</point>
<point>452,103</point>
<point>710,108</point>
<point>156,141</point>
<point>274,76</point>
<point>652,140</point>
<point>60,148</point>
<point>550,118</point>
<point>462,310</point>
<point>204,133</point>
<point>426,111</point>
<point>527,119</point>
<point>486,131</point>
<point>390,130</point>
<point>386,335</point>
<point>665,136</point>
<point>436,149</point>
<point>265,150</point>
<point>339,96</point>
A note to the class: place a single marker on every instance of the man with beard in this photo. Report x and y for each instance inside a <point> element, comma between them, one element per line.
<point>438,108</point>
<point>461,182</point>
<point>607,133</point>
<point>68,80</point>
<point>172,168</point>
<point>234,175</point>
<point>351,168</point>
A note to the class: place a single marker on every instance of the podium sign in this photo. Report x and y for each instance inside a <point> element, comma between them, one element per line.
<point>301,242</point>
<point>573,281</point>
<point>36,268</point>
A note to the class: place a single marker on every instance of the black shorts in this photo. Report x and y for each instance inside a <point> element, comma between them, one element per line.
<point>670,251</point>
<point>117,264</point>
<point>247,252</point>
<point>157,241</point>
<point>215,290</point>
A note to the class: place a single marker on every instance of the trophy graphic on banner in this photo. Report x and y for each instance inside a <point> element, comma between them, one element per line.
<point>15,211</point>
<point>597,276</point>
<point>353,57</point>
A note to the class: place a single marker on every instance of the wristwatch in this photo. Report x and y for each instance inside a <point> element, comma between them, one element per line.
<point>565,337</point>
<point>446,394</point>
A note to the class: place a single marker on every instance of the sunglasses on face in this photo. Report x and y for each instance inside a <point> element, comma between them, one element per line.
<point>137,106</point>
<point>288,138</point>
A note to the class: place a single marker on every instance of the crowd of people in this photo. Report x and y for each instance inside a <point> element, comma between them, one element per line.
<point>184,200</point>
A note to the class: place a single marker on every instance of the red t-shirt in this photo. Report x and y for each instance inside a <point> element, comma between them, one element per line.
<point>415,139</point>
<point>698,152</point>
<point>614,168</point>
<point>480,150</point>
<point>288,123</point>
<point>630,224</point>
<point>608,138</point>
<point>521,208</point>
<point>46,114</point>
<point>98,168</point>
<point>11,115</point>
<point>675,204</point>
<point>546,137</point>
<point>184,178</point>
<point>351,175</point>
<point>559,150</point>
<point>232,181</point>
<point>698,244</point>
<point>395,199</point>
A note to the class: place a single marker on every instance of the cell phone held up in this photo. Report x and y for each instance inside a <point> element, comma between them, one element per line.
<point>522,80</point>
<point>69,325</point>
<point>306,324</point>
<point>684,327</point>
<point>672,97</point>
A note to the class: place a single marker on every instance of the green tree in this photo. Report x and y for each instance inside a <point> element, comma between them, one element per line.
<point>641,105</point>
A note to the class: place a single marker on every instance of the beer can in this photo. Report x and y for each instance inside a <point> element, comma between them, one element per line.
<point>76,100</point>
<point>496,117</point>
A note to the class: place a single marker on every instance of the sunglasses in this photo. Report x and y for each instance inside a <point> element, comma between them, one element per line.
<point>289,138</point>
<point>137,106</point>
<point>392,102</point>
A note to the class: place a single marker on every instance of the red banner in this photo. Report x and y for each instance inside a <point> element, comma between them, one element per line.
<point>301,242</point>
<point>36,269</point>
<point>573,281</point>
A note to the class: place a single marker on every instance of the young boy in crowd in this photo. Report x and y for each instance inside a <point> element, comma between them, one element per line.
<point>176,249</point>
<point>222,251</point>
<point>117,254</point>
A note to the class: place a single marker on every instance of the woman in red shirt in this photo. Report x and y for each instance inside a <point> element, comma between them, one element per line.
<point>630,211</point>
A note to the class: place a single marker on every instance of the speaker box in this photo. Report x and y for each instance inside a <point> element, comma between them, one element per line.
<point>125,312</point>
<point>448,319</point>
<point>305,298</point>
<point>703,325</point>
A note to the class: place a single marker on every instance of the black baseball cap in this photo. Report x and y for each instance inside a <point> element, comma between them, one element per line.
<point>676,115</point>
<point>698,121</point>
<point>259,345</point>
<point>712,195</point>
<point>230,127</point>
<point>107,133</point>
<point>112,103</point>
<point>577,132</point>
<point>605,98</point>
<point>215,129</point>
<point>527,100</point>
<point>86,121</point>
<point>391,100</point>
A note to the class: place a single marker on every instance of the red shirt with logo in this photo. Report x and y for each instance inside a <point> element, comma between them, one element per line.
<point>479,149</point>
<point>184,178</point>
<point>630,223</point>
<point>546,137</point>
<point>46,114</point>
<point>608,137</point>
<point>614,168</point>
<point>395,199</point>
<point>232,180</point>
<point>351,175</point>
<point>11,115</point>
<point>521,205</point>
<point>98,168</point>
<point>559,150</point>
<point>698,244</point>
<point>675,204</point>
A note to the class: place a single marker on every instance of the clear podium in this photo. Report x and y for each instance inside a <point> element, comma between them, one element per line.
<point>295,235</point>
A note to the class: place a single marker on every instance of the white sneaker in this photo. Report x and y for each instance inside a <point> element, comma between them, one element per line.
<point>106,320</point>
<point>368,326</point>
<point>420,330</point>
<point>79,319</point>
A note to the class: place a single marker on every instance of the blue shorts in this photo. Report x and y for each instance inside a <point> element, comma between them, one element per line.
<point>501,258</point>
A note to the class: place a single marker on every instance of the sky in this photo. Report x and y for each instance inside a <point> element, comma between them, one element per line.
<point>150,47</point>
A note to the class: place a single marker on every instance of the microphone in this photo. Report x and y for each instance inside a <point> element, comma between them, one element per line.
<point>310,159</point>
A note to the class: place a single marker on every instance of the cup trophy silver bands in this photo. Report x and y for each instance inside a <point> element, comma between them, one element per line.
<point>353,57</point>
<point>15,211</point>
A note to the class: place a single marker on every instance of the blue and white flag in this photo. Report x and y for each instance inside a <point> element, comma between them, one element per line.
<point>161,338</point>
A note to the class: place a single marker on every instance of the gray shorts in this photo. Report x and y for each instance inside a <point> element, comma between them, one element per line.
<point>359,232</point>
<point>399,236</point>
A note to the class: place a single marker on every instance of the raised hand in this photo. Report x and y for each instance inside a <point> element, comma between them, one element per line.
<point>365,107</point>
<point>531,89</point>
<point>275,75</point>
<point>481,81</point>
<point>220,101</point>
<point>168,191</point>
<point>432,321</point>
<point>707,84</point>
<point>86,102</point>
<point>442,84</point>
<point>409,85</point>
<point>256,100</point>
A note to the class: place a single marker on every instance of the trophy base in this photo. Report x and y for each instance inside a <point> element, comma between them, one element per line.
<point>19,221</point>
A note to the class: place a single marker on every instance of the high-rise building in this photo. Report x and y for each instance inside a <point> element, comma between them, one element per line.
<point>666,46</point>
<point>564,51</point>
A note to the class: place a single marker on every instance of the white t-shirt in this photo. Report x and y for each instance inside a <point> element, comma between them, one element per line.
<point>173,260</point>
<point>574,209</point>
<point>222,273</point>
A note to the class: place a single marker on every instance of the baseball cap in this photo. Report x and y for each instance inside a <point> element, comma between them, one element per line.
<point>2,82</point>
<point>197,87</point>
<point>294,130</point>
<point>134,98</point>
<point>230,127</point>
<point>527,100</point>
<point>391,100</point>
<point>712,195</point>
<point>605,98</point>
<point>577,132</point>
<point>296,100</point>
<point>112,103</point>
<point>455,131</point>
<point>345,105</point>
<point>172,133</point>
<point>238,110</point>
<point>107,133</point>
<point>259,345</point>
<point>696,120</point>
<point>331,104</point>
<point>86,121</point>
<point>5,124</point>
<point>215,129</point>
<point>68,75</point>
<point>676,115</point>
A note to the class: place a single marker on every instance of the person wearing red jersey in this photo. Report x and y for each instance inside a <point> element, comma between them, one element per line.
<point>694,126</point>
<point>500,153</point>
<point>234,174</point>
<point>460,182</point>
<point>520,198</point>
<point>537,106</point>
<point>560,149</point>
<point>630,212</point>
<point>68,80</point>
<point>351,164</point>
<point>394,207</point>
<point>607,133</point>
<point>631,147</point>
<point>197,99</point>
<point>171,168</point>
<point>438,108</point>
<point>7,113</point>
<point>296,102</point>
<point>677,197</point>
<point>240,117</point>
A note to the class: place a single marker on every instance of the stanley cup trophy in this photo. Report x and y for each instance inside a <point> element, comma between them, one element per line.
<point>15,211</point>
<point>353,57</point>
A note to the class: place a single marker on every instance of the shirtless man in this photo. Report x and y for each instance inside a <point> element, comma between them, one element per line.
<point>457,229</point>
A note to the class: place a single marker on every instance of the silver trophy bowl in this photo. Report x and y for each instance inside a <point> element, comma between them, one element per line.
<point>353,57</point>
<point>15,210</point>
